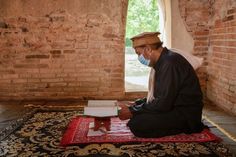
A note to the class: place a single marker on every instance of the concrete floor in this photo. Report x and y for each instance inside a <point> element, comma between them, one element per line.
<point>221,123</point>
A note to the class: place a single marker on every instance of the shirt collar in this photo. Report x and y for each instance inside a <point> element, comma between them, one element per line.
<point>160,59</point>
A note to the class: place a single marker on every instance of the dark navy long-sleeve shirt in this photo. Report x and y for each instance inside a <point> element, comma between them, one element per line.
<point>176,88</point>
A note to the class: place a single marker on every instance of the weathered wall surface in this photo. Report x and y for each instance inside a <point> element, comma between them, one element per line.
<point>212,25</point>
<point>62,49</point>
<point>221,84</point>
<point>181,38</point>
<point>75,48</point>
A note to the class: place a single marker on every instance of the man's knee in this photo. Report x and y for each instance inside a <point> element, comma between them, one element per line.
<point>134,128</point>
<point>143,129</point>
<point>134,124</point>
<point>139,129</point>
<point>144,133</point>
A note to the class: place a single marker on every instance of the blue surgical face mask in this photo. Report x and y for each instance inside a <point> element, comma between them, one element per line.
<point>143,60</point>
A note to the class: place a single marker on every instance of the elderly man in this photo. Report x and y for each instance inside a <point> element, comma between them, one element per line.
<point>176,104</point>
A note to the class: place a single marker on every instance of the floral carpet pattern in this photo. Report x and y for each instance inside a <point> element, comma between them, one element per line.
<point>40,135</point>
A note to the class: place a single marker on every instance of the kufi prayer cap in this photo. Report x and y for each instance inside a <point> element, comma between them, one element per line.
<point>145,38</point>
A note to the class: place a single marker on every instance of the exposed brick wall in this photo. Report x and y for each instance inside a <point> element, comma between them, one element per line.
<point>221,87</point>
<point>196,15</point>
<point>58,54</point>
<point>213,27</point>
<point>77,51</point>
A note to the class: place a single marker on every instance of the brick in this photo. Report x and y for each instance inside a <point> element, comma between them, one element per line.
<point>55,52</point>
<point>31,66</point>
<point>7,71</point>
<point>5,81</point>
<point>67,89</point>
<point>57,19</point>
<point>228,18</point>
<point>219,31</point>
<point>10,76</point>
<point>231,11</point>
<point>69,65</point>
<point>19,80</point>
<point>86,89</point>
<point>82,38</point>
<point>33,80</point>
<point>63,75</point>
<point>24,66</point>
<point>219,43</point>
<point>58,56</point>
<point>31,71</point>
<point>88,79</point>
<point>117,84</point>
<point>89,84</point>
<point>3,25</point>
<point>231,29</point>
<point>232,100</point>
<point>69,51</point>
<point>201,43</point>
<point>224,49</point>
<point>118,75</point>
<point>54,90</point>
<point>217,37</point>
<point>24,29</point>
<point>69,79</point>
<point>231,43</point>
<point>201,33</point>
<point>81,45</point>
<point>52,80</point>
<point>61,84</point>
<point>44,71</point>
<point>44,75</point>
<point>232,23</point>
<point>232,88</point>
<point>37,56</point>
<point>69,70</point>
<point>219,23</point>
<point>96,45</point>
<point>230,36</point>
<point>73,84</point>
<point>61,45</point>
<point>199,38</point>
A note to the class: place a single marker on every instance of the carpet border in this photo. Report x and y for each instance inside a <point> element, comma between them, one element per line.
<point>68,136</point>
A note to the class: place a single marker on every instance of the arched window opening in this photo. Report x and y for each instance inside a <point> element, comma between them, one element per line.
<point>142,16</point>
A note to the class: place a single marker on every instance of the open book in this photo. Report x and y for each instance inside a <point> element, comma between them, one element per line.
<point>101,108</point>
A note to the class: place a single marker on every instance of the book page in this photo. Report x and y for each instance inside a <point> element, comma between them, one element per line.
<point>104,103</point>
<point>101,111</point>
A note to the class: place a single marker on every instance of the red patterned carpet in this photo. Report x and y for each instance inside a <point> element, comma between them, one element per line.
<point>78,129</point>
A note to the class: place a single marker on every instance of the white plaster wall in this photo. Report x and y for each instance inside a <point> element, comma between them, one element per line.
<point>180,38</point>
<point>165,21</point>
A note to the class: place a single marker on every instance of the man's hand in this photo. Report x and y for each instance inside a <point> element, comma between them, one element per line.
<point>131,103</point>
<point>124,112</point>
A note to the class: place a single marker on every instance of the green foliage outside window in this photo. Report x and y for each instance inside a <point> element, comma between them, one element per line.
<point>143,16</point>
